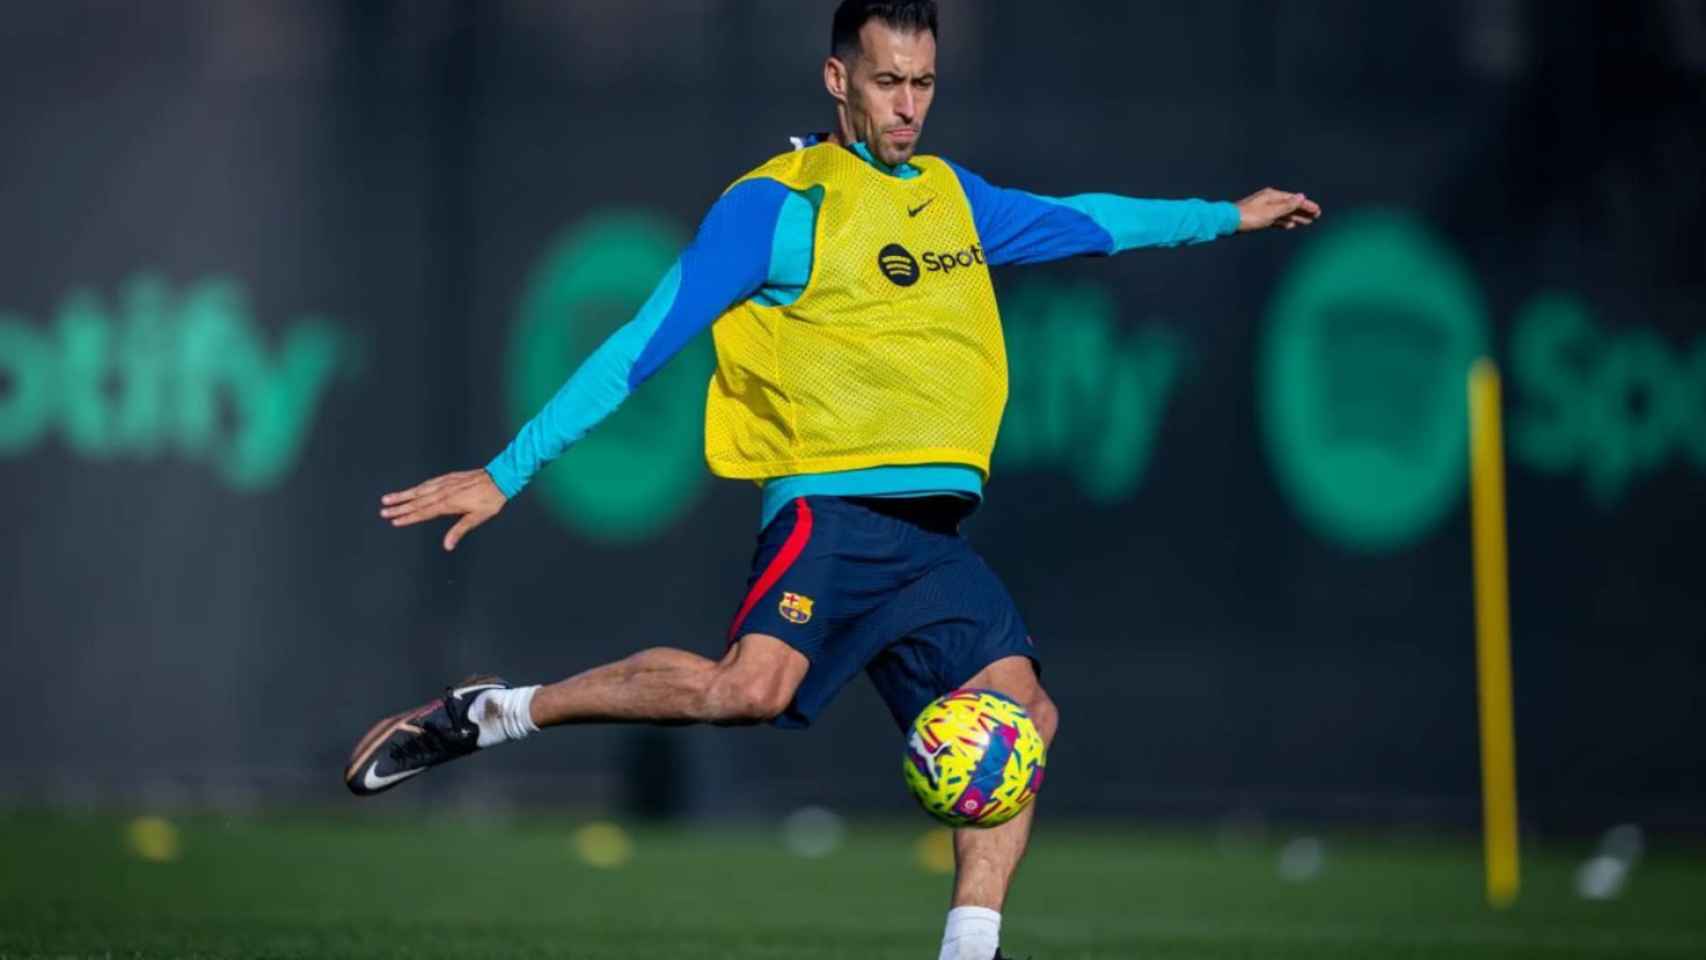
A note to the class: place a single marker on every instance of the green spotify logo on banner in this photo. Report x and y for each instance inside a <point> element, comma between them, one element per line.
<point>1089,394</point>
<point>639,472</point>
<point>1361,380</point>
<point>162,372</point>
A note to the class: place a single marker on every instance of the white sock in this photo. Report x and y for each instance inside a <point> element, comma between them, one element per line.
<point>974,933</point>
<point>504,715</point>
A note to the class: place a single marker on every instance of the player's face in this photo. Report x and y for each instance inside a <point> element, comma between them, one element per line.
<point>887,89</point>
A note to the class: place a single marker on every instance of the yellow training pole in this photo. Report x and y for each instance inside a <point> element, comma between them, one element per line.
<point>1492,633</point>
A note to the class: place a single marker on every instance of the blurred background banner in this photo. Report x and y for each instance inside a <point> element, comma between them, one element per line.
<point>265,260</point>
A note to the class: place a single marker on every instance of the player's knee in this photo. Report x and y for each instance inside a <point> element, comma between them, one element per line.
<point>1044,714</point>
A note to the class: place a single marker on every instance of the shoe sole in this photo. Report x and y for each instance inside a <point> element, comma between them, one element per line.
<point>381,731</point>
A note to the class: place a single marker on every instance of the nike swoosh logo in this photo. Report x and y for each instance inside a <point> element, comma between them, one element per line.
<point>915,211</point>
<point>476,688</point>
<point>374,782</point>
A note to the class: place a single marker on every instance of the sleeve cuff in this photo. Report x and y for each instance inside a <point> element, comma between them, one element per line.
<point>1230,218</point>
<point>505,478</point>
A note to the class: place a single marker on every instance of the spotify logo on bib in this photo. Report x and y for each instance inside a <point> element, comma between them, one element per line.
<point>898,265</point>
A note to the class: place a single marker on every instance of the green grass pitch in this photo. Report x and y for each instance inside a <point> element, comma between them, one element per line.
<point>409,887</point>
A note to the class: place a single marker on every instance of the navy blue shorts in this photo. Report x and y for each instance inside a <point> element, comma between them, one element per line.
<point>886,585</point>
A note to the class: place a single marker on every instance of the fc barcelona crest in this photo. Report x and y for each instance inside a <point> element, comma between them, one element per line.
<point>795,608</point>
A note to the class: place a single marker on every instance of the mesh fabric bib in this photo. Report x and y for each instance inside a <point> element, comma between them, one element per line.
<point>892,355</point>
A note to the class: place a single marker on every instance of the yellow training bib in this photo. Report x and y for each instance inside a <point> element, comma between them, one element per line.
<point>893,354</point>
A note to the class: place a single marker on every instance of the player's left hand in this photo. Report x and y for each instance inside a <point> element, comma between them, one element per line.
<point>1268,207</point>
<point>469,495</point>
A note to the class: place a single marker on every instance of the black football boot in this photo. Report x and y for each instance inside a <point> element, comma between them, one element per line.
<point>402,746</point>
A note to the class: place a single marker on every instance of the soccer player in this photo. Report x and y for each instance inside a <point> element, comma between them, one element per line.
<point>860,379</point>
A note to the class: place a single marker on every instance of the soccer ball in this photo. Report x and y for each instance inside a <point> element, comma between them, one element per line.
<point>974,759</point>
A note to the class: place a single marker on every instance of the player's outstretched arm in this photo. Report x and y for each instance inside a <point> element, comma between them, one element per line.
<point>728,260</point>
<point>468,495</point>
<point>1268,207</point>
<point>1020,227</point>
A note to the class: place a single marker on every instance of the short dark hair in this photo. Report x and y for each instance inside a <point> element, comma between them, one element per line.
<point>851,16</point>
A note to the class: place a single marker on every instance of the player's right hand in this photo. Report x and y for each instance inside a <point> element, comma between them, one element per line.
<point>468,494</point>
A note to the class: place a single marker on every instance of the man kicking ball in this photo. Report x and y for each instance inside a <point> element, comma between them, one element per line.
<point>861,378</point>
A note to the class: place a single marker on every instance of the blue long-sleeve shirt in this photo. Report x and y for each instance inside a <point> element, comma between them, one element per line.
<point>756,242</point>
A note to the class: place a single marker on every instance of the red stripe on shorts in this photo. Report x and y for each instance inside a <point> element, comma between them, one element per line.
<point>785,557</point>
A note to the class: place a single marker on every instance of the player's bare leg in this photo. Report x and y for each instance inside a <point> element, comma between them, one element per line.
<point>986,859</point>
<point>753,682</point>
